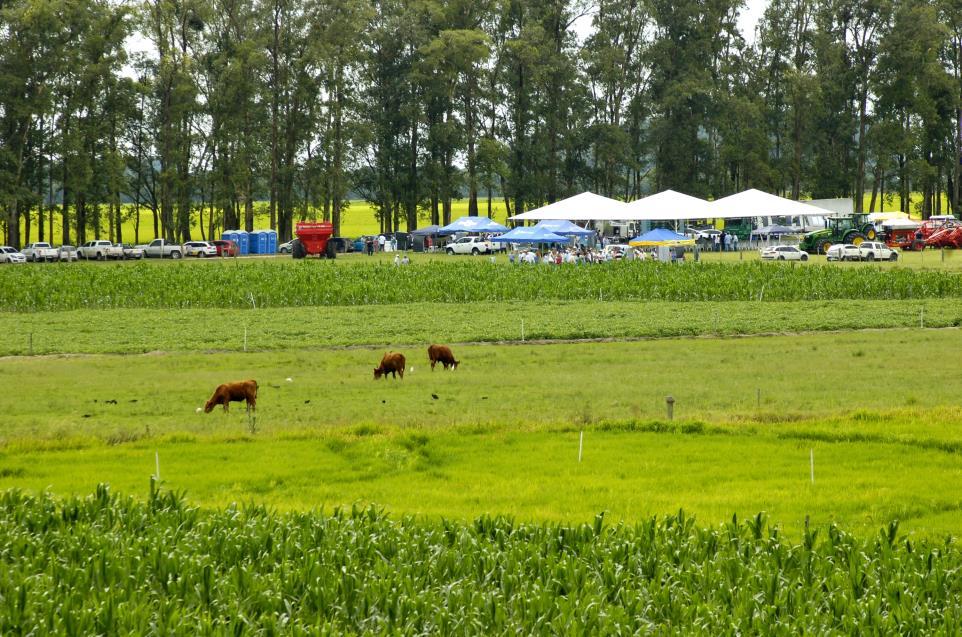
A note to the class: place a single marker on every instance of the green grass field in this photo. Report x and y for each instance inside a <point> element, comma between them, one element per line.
<point>816,438</point>
<point>501,437</point>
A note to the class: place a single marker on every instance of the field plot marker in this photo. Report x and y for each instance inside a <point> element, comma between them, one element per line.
<point>30,347</point>
<point>581,442</point>
<point>522,330</point>
<point>758,398</point>
<point>922,317</point>
<point>157,461</point>
<point>670,402</point>
<point>811,463</point>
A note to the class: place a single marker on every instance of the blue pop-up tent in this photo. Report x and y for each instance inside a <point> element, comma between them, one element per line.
<point>564,227</point>
<point>472,224</point>
<point>426,231</point>
<point>530,235</point>
<point>661,237</point>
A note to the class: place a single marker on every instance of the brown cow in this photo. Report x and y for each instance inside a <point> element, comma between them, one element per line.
<point>392,363</point>
<point>442,354</point>
<point>233,392</point>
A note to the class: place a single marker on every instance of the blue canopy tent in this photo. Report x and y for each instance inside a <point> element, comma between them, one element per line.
<point>472,224</point>
<point>531,235</point>
<point>661,237</point>
<point>564,227</point>
<point>426,231</point>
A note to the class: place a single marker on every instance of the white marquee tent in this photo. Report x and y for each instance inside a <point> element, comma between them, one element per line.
<point>668,205</point>
<point>584,207</point>
<point>755,203</point>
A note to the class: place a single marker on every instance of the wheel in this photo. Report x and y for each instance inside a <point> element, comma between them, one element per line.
<point>855,238</point>
<point>781,258</point>
<point>450,251</point>
<point>870,256</point>
<point>870,233</point>
<point>475,251</point>
<point>175,254</point>
<point>297,249</point>
<point>101,256</point>
<point>824,245</point>
<point>804,257</point>
<point>202,254</point>
<point>330,251</point>
<point>894,256</point>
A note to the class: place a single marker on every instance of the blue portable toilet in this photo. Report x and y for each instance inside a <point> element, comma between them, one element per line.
<point>271,241</point>
<point>263,242</point>
<point>253,242</point>
<point>243,241</point>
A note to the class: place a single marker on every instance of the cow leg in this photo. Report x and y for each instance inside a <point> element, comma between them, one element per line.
<point>432,365</point>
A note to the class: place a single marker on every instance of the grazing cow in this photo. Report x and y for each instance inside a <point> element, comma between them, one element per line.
<point>442,354</point>
<point>233,392</point>
<point>392,363</point>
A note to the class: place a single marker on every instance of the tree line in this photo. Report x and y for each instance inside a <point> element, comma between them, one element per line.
<point>411,104</point>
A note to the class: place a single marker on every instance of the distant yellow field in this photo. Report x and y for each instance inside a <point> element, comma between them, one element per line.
<point>357,220</point>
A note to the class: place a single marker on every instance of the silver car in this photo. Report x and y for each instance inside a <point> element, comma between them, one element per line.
<point>11,255</point>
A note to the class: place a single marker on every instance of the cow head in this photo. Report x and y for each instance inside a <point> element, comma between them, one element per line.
<point>377,372</point>
<point>209,406</point>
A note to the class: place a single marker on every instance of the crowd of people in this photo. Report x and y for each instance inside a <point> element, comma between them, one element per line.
<point>577,254</point>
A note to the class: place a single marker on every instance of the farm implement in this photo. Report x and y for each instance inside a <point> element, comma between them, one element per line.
<point>313,238</point>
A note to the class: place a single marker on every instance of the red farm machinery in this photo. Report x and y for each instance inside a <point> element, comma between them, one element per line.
<point>313,238</point>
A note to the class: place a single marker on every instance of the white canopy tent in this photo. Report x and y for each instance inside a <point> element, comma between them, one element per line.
<point>584,207</point>
<point>668,205</point>
<point>755,203</point>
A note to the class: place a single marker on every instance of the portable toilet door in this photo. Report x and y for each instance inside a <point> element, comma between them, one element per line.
<point>256,242</point>
<point>263,242</point>
<point>252,242</point>
<point>271,241</point>
<point>243,242</point>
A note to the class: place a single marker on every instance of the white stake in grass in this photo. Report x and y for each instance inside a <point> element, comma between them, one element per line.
<point>581,443</point>
<point>522,330</point>
<point>811,463</point>
<point>157,461</point>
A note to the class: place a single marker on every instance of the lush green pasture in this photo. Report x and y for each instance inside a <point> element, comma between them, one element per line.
<point>282,283</point>
<point>311,328</point>
<point>109,565</point>
<point>500,435</point>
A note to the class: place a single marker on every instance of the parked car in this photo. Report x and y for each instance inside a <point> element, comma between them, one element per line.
<point>342,244</point>
<point>199,249</point>
<point>226,248</point>
<point>784,253</point>
<point>131,251</point>
<point>40,251</point>
<point>843,252</point>
<point>68,253</point>
<point>471,245</point>
<point>876,250</point>
<point>286,248</point>
<point>11,255</point>
<point>161,248</point>
<point>615,251</point>
<point>99,249</point>
<point>702,233</point>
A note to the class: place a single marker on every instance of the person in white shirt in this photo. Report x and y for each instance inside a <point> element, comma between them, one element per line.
<point>380,242</point>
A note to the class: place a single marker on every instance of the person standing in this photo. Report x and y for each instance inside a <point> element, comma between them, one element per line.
<point>380,243</point>
<point>734,243</point>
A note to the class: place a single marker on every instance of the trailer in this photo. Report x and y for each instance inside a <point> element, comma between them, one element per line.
<point>313,238</point>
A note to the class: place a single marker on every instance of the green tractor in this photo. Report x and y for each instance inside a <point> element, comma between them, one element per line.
<point>850,229</point>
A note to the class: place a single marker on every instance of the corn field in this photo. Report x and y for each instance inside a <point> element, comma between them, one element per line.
<point>111,565</point>
<point>318,283</point>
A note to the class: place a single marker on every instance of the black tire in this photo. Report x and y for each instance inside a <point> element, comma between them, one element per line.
<point>297,249</point>
<point>804,257</point>
<point>475,251</point>
<point>101,256</point>
<point>870,233</point>
<point>781,258</point>
<point>202,254</point>
<point>175,254</point>
<point>449,251</point>
<point>855,237</point>
<point>330,251</point>
<point>894,256</point>
<point>870,256</point>
<point>824,245</point>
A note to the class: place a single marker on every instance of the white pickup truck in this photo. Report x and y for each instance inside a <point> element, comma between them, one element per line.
<point>40,251</point>
<point>471,245</point>
<point>100,250</point>
<point>163,249</point>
